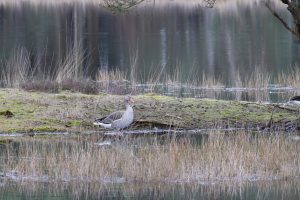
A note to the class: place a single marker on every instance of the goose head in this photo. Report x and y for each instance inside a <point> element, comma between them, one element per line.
<point>128,100</point>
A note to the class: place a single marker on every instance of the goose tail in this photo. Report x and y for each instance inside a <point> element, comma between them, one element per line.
<point>102,124</point>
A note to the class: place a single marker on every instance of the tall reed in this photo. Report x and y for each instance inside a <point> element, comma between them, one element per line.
<point>20,71</point>
<point>257,79</point>
<point>291,78</point>
<point>238,157</point>
<point>133,62</point>
<point>17,69</point>
<point>72,66</point>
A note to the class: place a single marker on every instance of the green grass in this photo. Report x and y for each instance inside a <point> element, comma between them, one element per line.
<point>69,111</point>
<point>73,123</point>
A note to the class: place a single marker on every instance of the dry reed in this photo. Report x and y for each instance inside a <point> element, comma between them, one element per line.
<point>238,157</point>
<point>290,79</point>
<point>258,80</point>
<point>210,81</point>
<point>72,66</point>
<point>17,69</point>
<point>110,76</point>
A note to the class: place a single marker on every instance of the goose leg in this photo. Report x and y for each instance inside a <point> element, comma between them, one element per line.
<point>120,133</point>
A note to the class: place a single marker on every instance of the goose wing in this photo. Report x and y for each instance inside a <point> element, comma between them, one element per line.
<point>295,98</point>
<point>110,118</point>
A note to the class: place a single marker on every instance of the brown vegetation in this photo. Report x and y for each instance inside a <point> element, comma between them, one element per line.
<point>18,72</point>
<point>220,157</point>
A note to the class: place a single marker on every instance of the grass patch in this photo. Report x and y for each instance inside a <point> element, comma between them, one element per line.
<point>69,111</point>
<point>44,129</point>
<point>73,123</point>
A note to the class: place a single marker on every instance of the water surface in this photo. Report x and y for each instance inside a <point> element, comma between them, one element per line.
<point>230,39</point>
<point>250,190</point>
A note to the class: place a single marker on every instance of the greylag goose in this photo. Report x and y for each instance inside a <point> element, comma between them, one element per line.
<point>119,119</point>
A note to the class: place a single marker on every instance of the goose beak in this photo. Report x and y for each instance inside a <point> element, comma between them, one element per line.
<point>131,100</point>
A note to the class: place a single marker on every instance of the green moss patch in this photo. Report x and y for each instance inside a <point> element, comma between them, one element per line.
<point>66,111</point>
<point>44,129</point>
<point>6,113</point>
<point>73,123</point>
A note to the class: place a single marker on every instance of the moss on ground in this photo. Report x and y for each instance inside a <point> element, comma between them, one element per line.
<point>44,129</point>
<point>67,111</point>
<point>73,123</point>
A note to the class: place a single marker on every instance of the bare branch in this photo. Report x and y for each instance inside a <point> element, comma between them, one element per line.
<point>281,20</point>
<point>209,3</point>
<point>124,5</point>
<point>121,5</point>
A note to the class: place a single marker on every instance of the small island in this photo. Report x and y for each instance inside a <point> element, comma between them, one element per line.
<point>26,112</point>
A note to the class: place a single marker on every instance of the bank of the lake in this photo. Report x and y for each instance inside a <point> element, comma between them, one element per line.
<point>26,112</point>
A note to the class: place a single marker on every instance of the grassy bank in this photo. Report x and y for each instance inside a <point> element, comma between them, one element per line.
<point>22,111</point>
<point>220,157</point>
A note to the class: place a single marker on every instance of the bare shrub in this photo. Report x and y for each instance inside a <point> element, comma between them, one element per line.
<point>17,69</point>
<point>84,86</point>
<point>41,86</point>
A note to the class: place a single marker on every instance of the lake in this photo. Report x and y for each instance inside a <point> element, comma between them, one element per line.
<point>258,190</point>
<point>230,164</point>
<point>166,47</point>
<point>225,42</point>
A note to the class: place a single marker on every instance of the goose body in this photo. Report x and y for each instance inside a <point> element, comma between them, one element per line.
<point>119,119</point>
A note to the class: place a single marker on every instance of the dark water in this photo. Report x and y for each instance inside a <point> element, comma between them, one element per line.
<point>259,190</point>
<point>219,42</point>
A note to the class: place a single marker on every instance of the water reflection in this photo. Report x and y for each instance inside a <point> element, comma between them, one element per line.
<point>250,190</point>
<point>220,42</point>
<point>271,94</point>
